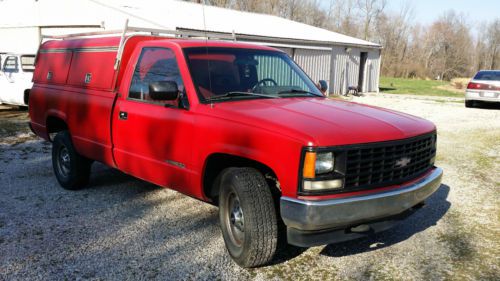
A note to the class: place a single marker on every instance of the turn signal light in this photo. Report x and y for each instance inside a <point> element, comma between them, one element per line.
<point>309,165</point>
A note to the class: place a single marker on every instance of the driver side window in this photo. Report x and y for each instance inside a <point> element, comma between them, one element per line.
<point>155,65</point>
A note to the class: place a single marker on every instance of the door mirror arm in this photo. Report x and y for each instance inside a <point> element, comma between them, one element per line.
<point>183,100</point>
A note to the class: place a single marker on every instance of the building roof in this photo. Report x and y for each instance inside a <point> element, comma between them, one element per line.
<point>168,14</point>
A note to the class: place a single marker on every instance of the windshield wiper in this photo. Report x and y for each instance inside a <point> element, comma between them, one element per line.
<point>295,91</point>
<point>229,95</point>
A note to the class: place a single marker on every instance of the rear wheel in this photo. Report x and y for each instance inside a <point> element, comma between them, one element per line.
<point>469,103</point>
<point>247,216</point>
<point>71,169</point>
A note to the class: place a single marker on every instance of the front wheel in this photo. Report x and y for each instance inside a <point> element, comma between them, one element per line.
<point>71,169</point>
<point>248,217</point>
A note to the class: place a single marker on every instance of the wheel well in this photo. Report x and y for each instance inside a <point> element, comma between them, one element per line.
<point>55,124</point>
<point>216,163</point>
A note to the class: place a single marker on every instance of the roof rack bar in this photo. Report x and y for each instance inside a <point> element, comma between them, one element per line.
<point>153,31</point>
<point>121,46</point>
<point>78,35</point>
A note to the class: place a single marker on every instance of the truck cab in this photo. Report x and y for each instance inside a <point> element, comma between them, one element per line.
<point>16,73</point>
<point>236,125</point>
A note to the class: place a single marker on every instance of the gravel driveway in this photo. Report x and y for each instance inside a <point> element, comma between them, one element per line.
<point>126,229</point>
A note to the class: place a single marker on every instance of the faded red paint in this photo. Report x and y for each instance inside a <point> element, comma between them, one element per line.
<point>270,131</point>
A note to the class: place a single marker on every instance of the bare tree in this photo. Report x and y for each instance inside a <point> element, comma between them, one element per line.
<point>370,10</point>
<point>494,43</point>
<point>218,3</point>
<point>342,17</point>
<point>450,46</point>
<point>393,31</point>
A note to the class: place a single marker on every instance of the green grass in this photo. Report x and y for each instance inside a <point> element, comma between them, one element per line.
<point>419,87</point>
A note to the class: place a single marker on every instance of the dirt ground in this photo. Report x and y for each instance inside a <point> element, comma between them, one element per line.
<point>126,229</point>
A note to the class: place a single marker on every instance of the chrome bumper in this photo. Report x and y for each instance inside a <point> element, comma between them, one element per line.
<point>344,212</point>
<point>480,96</point>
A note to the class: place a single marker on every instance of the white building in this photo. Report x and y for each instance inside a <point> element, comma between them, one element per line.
<point>341,60</point>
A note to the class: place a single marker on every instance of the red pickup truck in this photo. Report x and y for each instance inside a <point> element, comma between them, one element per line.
<point>237,125</point>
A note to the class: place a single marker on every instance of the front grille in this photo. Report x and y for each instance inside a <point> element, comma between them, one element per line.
<point>381,164</point>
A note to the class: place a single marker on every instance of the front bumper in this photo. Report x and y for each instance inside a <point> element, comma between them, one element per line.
<point>304,217</point>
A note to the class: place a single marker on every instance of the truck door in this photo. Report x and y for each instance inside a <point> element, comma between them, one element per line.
<point>153,139</point>
<point>10,71</point>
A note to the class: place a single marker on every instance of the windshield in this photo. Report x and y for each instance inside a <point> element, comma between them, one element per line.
<point>246,74</point>
<point>488,76</point>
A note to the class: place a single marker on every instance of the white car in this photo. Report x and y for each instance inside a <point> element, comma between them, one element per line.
<point>16,73</point>
<point>484,87</point>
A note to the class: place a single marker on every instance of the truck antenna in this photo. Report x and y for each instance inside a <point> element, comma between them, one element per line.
<point>206,46</point>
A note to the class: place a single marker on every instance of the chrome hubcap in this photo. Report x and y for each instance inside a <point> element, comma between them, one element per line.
<point>235,219</point>
<point>64,161</point>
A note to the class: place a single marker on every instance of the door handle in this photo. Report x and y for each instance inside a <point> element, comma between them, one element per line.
<point>123,115</point>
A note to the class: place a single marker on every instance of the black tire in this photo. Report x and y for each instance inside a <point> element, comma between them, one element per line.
<point>71,169</point>
<point>469,103</point>
<point>258,220</point>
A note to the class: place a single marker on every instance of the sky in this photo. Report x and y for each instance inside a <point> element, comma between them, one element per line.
<point>426,11</point>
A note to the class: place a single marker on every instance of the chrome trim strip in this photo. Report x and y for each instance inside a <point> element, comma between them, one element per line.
<point>175,163</point>
<point>48,51</point>
<point>80,50</point>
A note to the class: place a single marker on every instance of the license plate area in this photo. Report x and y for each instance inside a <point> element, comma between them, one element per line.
<point>489,95</point>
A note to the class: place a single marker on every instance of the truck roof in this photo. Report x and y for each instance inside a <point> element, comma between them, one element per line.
<point>114,41</point>
<point>191,43</point>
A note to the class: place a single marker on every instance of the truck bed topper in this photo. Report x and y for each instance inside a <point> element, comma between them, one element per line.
<point>75,48</point>
<point>125,32</point>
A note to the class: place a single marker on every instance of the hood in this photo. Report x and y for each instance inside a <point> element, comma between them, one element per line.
<point>325,122</point>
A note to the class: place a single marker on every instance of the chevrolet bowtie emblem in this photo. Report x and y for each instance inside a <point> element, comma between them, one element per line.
<point>403,162</point>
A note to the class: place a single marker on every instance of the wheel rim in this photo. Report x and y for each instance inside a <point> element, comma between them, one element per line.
<point>63,162</point>
<point>235,220</point>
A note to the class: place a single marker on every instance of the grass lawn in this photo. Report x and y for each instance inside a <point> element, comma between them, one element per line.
<point>419,87</point>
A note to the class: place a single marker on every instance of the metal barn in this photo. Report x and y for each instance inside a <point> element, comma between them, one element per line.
<point>341,60</point>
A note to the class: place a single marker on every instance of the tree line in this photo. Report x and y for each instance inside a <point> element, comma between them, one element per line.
<point>451,46</point>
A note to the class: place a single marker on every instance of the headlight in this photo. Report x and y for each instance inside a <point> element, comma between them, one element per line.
<point>318,164</point>
<point>324,163</point>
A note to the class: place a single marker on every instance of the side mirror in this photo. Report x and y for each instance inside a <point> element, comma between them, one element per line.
<point>323,86</point>
<point>163,90</point>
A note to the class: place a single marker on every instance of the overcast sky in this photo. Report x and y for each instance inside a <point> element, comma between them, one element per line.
<point>426,11</point>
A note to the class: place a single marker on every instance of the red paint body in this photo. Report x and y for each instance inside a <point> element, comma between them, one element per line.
<point>270,131</point>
